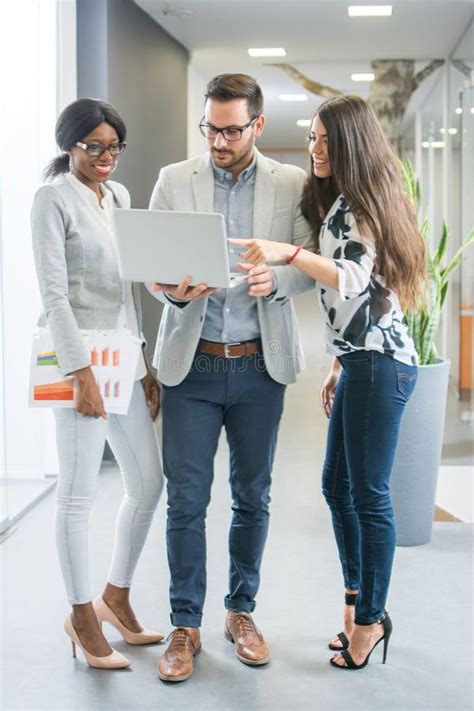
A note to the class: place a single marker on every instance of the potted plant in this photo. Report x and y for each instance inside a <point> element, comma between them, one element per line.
<point>416,466</point>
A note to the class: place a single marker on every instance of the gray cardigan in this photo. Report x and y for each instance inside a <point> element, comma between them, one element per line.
<point>77,269</point>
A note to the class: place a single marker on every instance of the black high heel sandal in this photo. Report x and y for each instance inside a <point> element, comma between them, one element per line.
<point>350,599</point>
<point>387,631</point>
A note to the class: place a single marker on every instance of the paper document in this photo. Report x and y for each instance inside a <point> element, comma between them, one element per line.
<point>113,357</point>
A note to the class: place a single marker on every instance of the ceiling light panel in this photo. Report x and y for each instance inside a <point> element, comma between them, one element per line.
<point>369,10</point>
<point>293,97</point>
<point>267,52</point>
<point>363,77</point>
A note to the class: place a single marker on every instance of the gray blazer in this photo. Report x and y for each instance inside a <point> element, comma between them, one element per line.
<point>77,269</point>
<point>277,216</point>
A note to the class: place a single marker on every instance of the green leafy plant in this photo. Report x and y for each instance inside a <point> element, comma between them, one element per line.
<point>423,323</point>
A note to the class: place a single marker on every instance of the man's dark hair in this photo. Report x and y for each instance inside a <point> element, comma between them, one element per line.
<point>226,87</point>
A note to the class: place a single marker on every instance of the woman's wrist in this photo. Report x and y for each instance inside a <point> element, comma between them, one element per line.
<point>83,374</point>
<point>336,366</point>
<point>292,253</point>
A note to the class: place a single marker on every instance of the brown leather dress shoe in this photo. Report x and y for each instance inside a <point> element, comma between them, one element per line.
<point>250,647</point>
<point>176,664</point>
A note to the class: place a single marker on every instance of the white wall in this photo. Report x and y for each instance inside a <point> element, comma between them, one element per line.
<point>299,158</point>
<point>37,38</point>
<point>196,88</point>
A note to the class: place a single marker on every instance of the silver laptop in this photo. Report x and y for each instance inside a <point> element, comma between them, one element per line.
<point>165,245</point>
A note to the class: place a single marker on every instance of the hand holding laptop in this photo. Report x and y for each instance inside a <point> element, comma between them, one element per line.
<point>259,278</point>
<point>183,291</point>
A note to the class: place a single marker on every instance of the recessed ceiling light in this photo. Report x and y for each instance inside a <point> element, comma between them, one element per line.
<point>363,77</point>
<point>433,144</point>
<point>293,97</point>
<point>267,52</point>
<point>304,123</point>
<point>369,10</point>
<point>452,131</point>
<point>472,109</point>
<point>459,110</point>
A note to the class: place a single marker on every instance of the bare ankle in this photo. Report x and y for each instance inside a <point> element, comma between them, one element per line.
<point>83,615</point>
<point>115,596</point>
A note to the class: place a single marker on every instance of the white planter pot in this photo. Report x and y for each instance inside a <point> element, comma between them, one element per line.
<point>416,466</point>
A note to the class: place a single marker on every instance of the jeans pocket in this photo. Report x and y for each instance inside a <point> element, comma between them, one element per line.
<point>406,378</point>
<point>357,357</point>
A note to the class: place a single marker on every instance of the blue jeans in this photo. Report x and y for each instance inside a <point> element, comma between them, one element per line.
<point>239,395</point>
<point>370,398</point>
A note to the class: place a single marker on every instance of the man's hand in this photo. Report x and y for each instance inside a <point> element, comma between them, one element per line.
<point>260,278</point>
<point>184,292</point>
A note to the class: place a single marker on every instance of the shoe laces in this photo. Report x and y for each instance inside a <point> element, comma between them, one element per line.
<point>245,625</point>
<point>179,638</point>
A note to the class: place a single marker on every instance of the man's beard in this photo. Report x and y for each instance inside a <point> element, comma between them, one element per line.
<point>229,153</point>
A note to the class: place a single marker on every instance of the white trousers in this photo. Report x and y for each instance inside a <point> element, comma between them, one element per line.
<point>134,442</point>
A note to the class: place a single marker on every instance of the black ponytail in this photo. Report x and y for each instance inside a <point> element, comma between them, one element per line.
<point>75,122</point>
<point>58,166</point>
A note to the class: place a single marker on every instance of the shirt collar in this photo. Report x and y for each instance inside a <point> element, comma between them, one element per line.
<point>224,175</point>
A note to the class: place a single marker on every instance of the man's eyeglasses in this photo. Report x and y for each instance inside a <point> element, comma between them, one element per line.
<point>96,149</point>
<point>230,133</point>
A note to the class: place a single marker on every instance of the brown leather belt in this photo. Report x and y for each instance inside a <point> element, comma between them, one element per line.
<point>230,350</point>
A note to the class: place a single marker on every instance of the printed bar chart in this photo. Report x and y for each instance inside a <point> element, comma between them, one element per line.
<point>62,390</point>
<point>48,358</point>
<point>113,358</point>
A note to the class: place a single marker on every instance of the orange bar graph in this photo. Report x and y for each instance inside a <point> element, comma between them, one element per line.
<point>105,356</point>
<point>62,390</point>
<point>94,357</point>
<point>116,357</point>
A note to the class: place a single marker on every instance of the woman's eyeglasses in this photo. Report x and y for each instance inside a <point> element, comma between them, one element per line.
<point>96,149</point>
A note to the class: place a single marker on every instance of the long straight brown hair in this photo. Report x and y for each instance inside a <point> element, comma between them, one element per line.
<point>365,169</point>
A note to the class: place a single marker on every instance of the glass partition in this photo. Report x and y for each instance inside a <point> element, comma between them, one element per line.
<point>31,93</point>
<point>461,114</point>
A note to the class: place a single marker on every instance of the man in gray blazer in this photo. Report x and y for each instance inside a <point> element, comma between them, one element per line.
<point>224,358</point>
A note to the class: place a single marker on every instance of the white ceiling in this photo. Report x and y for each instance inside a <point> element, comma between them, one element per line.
<point>320,40</point>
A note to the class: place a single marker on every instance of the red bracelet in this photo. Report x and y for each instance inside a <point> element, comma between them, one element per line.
<point>294,255</point>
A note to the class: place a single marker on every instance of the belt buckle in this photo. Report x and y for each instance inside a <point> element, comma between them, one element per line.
<point>226,350</point>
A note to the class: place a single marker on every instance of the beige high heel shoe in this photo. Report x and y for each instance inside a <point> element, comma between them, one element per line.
<point>115,660</point>
<point>105,614</point>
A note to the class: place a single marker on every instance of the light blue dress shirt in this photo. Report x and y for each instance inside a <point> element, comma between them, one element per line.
<point>231,315</point>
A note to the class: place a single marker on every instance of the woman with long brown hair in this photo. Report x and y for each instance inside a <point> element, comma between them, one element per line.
<point>370,264</point>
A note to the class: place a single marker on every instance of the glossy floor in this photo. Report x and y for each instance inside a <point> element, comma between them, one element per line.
<point>299,604</point>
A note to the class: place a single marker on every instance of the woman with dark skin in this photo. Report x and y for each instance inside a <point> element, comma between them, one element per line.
<point>370,264</point>
<point>73,241</point>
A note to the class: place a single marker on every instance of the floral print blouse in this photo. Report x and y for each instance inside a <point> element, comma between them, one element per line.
<point>362,314</point>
